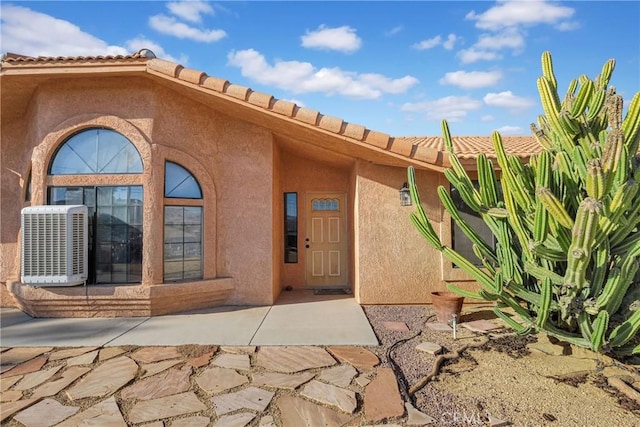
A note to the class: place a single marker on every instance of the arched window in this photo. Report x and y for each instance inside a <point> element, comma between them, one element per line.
<point>115,210</point>
<point>179,183</point>
<point>183,225</point>
<point>96,151</point>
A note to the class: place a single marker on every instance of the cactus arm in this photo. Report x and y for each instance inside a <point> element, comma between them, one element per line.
<point>599,328</point>
<point>625,331</point>
<point>631,124</point>
<point>464,293</point>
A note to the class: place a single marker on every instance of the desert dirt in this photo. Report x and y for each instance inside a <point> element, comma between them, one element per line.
<point>532,380</point>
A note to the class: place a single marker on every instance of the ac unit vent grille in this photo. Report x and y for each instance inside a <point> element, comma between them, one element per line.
<point>54,245</point>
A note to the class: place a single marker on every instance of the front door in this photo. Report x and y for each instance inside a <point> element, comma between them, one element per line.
<point>326,240</point>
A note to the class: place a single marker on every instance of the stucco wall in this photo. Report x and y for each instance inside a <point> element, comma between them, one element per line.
<point>303,175</point>
<point>231,158</point>
<point>395,264</point>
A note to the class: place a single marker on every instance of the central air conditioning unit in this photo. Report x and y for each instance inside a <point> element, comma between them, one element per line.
<point>54,245</point>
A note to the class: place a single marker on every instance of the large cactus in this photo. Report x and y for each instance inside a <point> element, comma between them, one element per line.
<point>566,224</point>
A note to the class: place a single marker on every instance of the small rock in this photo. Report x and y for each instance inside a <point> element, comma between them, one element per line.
<point>10,396</point>
<point>359,357</point>
<point>429,347</point>
<point>439,327</point>
<point>155,354</point>
<point>481,326</point>
<point>233,361</point>
<point>417,418</point>
<point>109,353</point>
<point>83,359</point>
<point>240,419</point>
<point>217,380</point>
<point>252,398</point>
<point>267,421</point>
<point>343,399</point>
<point>340,375</point>
<point>363,380</point>
<point>497,422</point>
<point>395,326</point>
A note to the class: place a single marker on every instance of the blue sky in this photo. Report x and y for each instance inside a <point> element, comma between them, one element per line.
<point>395,67</point>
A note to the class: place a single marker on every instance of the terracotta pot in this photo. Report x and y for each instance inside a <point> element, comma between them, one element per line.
<point>446,304</point>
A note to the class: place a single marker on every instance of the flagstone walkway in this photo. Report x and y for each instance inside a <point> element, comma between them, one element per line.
<point>198,386</point>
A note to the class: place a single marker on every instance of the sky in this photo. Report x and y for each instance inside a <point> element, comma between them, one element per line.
<point>394,67</point>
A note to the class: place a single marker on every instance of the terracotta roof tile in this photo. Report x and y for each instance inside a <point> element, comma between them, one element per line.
<point>376,138</point>
<point>260,99</point>
<point>428,150</point>
<point>306,115</point>
<point>192,76</point>
<point>237,91</point>
<point>214,83</point>
<point>332,124</point>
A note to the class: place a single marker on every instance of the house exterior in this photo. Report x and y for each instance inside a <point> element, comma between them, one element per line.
<point>201,192</point>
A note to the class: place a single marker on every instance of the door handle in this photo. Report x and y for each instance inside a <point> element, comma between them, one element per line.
<point>306,246</point>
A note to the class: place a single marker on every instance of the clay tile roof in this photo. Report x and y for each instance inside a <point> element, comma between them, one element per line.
<point>426,150</point>
<point>469,147</point>
<point>17,59</point>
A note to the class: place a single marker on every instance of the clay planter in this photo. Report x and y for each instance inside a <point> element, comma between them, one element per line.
<point>446,304</point>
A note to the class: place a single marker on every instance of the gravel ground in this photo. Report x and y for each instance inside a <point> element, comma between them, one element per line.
<point>495,375</point>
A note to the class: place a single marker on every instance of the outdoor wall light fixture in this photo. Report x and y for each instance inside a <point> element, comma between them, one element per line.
<point>405,196</point>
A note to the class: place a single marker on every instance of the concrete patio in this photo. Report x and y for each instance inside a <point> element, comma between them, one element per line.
<point>298,318</point>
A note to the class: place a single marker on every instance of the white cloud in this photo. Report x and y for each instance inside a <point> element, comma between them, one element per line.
<point>510,13</point>
<point>27,32</point>
<point>394,31</point>
<point>451,108</point>
<point>343,39</point>
<point>428,43</point>
<point>510,38</point>
<point>190,10</point>
<point>170,26</point>
<point>487,118</point>
<point>140,42</point>
<point>303,77</point>
<point>510,130</point>
<point>471,79</point>
<point>568,26</point>
<point>450,42</point>
<point>467,56</point>
<point>507,100</point>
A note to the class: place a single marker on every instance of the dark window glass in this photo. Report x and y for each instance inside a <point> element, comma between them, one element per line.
<point>115,229</point>
<point>180,183</point>
<point>290,227</point>
<point>27,192</point>
<point>96,151</point>
<point>182,243</point>
<point>460,242</point>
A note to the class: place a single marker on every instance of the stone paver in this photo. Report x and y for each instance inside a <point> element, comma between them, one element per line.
<point>34,379</point>
<point>105,379</point>
<point>10,396</point>
<point>293,359</point>
<point>359,357</point>
<point>155,368</point>
<point>165,407</point>
<point>105,413</point>
<point>217,380</point>
<point>340,375</point>
<point>239,349</point>
<point>8,409</point>
<point>343,399</point>
<point>240,419</point>
<point>83,359</point>
<point>253,398</point>
<point>68,376</point>
<point>197,421</point>
<point>278,380</point>
<point>169,382</point>
<point>382,398</point>
<point>438,327</point>
<point>110,353</point>
<point>46,413</point>
<point>200,361</point>
<point>298,412</point>
<point>155,354</point>
<point>429,347</point>
<point>417,418</point>
<point>6,383</point>
<point>395,326</point>
<point>17,355</point>
<point>363,380</point>
<point>267,421</point>
<point>70,352</point>
<point>481,326</point>
<point>232,361</point>
<point>27,367</point>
